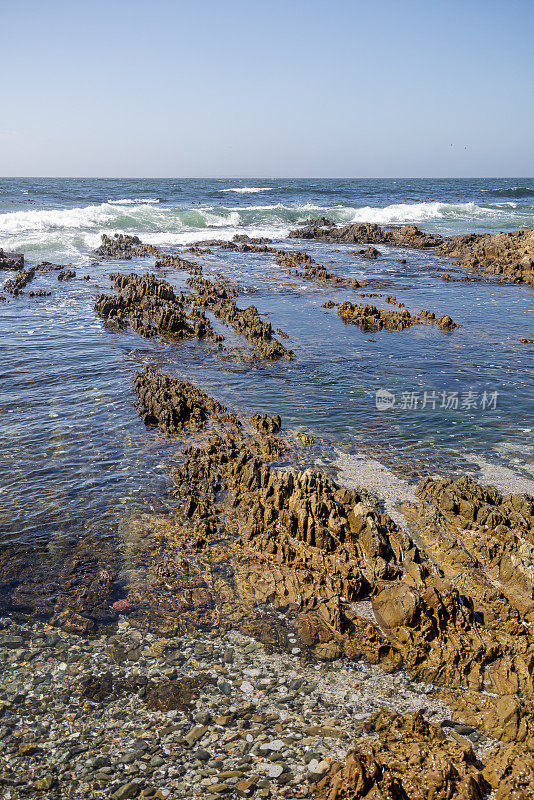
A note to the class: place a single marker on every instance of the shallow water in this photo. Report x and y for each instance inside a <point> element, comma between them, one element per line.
<point>74,456</point>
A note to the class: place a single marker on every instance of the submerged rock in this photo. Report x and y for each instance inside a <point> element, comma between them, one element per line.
<point>15,285</point>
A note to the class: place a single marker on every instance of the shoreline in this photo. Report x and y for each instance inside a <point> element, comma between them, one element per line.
<point>289,556</point>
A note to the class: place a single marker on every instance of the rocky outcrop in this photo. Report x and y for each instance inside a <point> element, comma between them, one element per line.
<point>218,296</point>
<point>369,233</point>
<point>124,246</point>
<point>369,252</point>
<point>265,424</point>
<point>497,530</point>
<point>510,772</point>
<point>66,275</point>
<point>370,318</point>
<point>16,284</point>
<point>175,261</point>
<point>318,222</point>
<point>151,307</point>
<point>506,255</point>
<point>306,267</point>
<point>172,404</point>
<point>14,261</point>
<point>408,758</point>
<point>509,256</point>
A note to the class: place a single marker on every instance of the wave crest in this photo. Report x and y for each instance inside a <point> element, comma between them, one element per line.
<point>249,189</point>
<point>514,191</point>
<point>132,201</point>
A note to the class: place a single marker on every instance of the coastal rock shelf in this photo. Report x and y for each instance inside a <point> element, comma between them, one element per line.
<point>300,542</point>
<point>508,255</point>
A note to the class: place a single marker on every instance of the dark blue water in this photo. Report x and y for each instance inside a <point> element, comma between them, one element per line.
<point>74,456</point>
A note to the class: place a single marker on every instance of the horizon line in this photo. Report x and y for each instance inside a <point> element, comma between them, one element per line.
<point>267,178</point>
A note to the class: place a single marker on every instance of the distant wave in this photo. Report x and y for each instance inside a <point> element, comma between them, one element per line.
<point>249,189</point>
<point>513,191</point>
<point>132,201</point>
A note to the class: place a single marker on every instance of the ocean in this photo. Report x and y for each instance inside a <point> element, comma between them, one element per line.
<point>76,460</point>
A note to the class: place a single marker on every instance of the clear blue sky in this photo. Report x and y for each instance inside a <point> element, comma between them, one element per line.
<point>267,88</point>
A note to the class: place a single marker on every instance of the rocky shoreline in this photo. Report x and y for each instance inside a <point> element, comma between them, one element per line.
<point>509,256</point>
<point>279,635</point>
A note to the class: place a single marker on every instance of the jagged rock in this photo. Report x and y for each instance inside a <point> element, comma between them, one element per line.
<point>124,246</point>
<point>370,318</point>
<point>369,233</point>
<point>502,526</point>
<point>306,267</point>
<point>218,297</point>
<point>510,255</point>
<point>318,222</point>
<point>410,759</point>
<point>265,424</point>
<point>510,772</point>
<point>150,306</point>
<point>369,252</point>
<point>14,261</point>
<point>66,275</point>
<point>173,404</point>
<point>177,262</point>
<point>15,285</point>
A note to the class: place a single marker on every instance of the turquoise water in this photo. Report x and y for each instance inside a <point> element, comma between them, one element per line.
<point>74,456</point>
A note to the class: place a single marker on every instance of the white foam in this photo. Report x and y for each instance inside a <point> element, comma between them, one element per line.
<point>419,212</point>
<point>248,189</point>
<point>505,480</point>
<point>132,201</point>
<point>358,471</point>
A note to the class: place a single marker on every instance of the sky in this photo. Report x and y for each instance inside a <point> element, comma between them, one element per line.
<point>263,88</point>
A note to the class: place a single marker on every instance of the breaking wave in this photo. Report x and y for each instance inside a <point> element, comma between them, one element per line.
<point>132,201</point>
<point>74,232</point>
<point>249,189</point>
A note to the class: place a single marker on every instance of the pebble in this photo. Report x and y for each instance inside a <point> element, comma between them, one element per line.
<point>264,724</point>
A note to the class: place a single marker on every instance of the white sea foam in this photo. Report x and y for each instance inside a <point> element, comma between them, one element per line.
<point>504,479</point>
<point>399,213</point>
<point>356,471</point>
<point>132,201</point>
<point>147,214</point>
<point>66,232</point>
<point>248,189</point>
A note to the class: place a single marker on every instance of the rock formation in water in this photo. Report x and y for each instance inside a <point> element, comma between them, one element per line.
<point>16,284</point>
<point>124,246</point>
<point>11,261</point>
<point>151,307</point>
<point>370,318</point>
<point>507,255</point>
